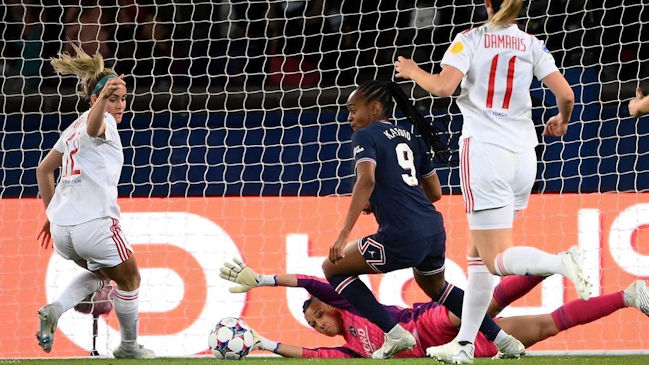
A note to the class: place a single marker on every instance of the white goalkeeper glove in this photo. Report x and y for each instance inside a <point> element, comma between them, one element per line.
<point>246,277</point>
<point>262,343</point>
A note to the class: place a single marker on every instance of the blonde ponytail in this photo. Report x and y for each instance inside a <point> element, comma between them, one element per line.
<point>89,69</point>
<point>507,13</point>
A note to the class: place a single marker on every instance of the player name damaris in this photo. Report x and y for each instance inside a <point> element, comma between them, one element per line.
<point>397,132</point>
<point>504,41</point>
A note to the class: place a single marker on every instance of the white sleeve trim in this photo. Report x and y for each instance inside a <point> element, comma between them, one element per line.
<point>365,159</point>
<point>434,172</point>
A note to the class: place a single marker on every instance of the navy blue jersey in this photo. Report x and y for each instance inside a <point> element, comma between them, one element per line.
<point>400,206</point>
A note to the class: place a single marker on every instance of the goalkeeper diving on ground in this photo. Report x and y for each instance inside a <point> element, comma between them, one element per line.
<point>431,324</point>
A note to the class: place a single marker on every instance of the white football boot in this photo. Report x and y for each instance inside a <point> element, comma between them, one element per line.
<point>572,262</point>
<point>512,348</point>
<point>49,317</point>
<point>452,353</point>
<point>137,352</point>
<point>397,340</point>
<point>637,295</point>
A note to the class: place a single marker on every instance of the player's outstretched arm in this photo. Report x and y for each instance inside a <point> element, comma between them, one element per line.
<point>285,350</point>
<point>307,353</point>
<point>289,350</point>
<point>247,278</point>
<point>640,105</point>
<point>442,84</point>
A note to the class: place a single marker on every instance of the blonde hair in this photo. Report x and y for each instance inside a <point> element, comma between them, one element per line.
<point>507,14</point>
<point>89,69</point>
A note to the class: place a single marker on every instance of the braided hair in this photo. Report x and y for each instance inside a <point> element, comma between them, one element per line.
<point>388,93</point>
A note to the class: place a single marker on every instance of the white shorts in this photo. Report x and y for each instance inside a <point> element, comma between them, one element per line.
<point>493,177</point>
<point>100,242</point>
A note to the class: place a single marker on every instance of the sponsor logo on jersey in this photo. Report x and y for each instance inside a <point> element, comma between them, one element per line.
<point>457,47</point>
<point>365,341</point>
<point>358,149</point>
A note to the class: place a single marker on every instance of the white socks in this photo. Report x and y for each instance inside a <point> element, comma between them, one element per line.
<point>477,297</point>
<point>126,305</point>
<point>523,260</point>
<point>501,338</point>
<point>80,287</point>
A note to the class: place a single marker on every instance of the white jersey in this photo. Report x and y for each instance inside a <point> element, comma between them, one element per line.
<point>90,171</point>
<point>498,65</point>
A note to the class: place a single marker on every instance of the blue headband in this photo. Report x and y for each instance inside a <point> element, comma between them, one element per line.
<point>102,82</point>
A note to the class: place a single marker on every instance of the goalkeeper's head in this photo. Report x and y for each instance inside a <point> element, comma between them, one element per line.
<point>322,317</point>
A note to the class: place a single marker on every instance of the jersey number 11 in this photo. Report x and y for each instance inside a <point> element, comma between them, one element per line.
<point>492,80</point>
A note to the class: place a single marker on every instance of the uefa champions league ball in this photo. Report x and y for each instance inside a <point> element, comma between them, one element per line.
<point>230,339</point>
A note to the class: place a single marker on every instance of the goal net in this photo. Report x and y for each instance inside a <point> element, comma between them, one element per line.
<point>236,144</point>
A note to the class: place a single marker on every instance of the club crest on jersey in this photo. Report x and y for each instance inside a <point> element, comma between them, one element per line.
<point>358,149</point>
<point>457,47</point>
<point>352,330</point>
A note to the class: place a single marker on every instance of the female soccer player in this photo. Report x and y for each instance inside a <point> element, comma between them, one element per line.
<point>82,213</point>
<point>495,63</point>
<point>394,173</point>
<point>330,314</point>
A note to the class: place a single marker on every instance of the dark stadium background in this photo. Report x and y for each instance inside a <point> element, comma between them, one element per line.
<point>195,128</point>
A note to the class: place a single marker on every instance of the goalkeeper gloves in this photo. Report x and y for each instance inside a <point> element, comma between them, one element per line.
<point>246,277</point>
<point>262,343</point>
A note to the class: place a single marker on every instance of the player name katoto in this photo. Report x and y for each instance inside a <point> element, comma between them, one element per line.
<point>504,41</point>
<point>396,132</point>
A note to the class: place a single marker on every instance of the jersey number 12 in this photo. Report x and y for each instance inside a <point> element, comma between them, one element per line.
<point>69,159</point>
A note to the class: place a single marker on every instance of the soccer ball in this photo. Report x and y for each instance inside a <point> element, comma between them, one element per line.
<point>230,339</point>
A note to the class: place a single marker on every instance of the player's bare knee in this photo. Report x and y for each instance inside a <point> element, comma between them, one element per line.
<point>327,268</point>
<point>494,308</point>
<point>129,282</point>
<point>135,280</point>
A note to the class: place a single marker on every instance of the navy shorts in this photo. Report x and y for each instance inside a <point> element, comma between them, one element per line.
<point>425,255</point>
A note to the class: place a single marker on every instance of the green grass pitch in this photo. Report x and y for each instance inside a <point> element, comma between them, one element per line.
<point>530,360</point>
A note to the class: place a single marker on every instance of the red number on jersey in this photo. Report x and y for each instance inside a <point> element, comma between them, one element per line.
<point>492,80</point>
<point>68,160</point>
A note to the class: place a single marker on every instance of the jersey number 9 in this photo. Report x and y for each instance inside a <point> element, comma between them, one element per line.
<point>406,160</point>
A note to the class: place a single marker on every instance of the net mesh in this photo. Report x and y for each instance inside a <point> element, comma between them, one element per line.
<point>247,99</point>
